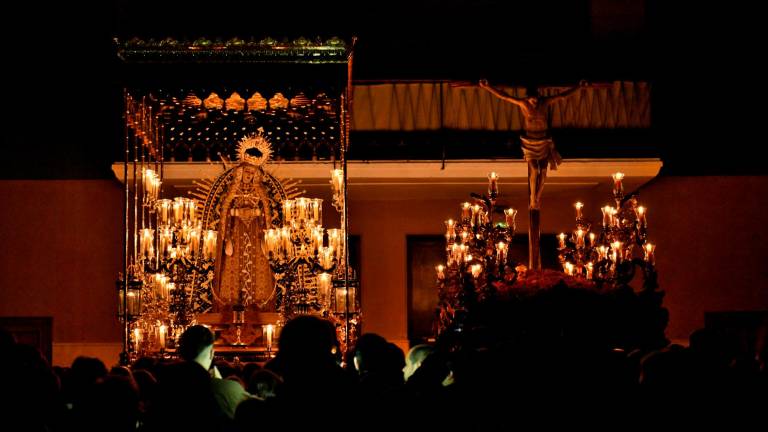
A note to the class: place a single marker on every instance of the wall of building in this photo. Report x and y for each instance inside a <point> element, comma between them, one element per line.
<point>62,252</point>
<point>712,245</point>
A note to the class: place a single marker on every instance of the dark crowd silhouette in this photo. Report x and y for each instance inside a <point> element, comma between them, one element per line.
<point>476,376</point>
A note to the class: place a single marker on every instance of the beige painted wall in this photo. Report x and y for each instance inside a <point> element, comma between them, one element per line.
<point>62,252</point>
<point>61,243</point>
<point>712,246</point>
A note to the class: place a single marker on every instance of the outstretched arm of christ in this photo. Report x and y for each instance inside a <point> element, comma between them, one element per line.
<point>566,93</point>
<point>500,94</point>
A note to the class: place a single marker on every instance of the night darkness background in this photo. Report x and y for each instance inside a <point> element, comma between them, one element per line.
<point>61,116</point>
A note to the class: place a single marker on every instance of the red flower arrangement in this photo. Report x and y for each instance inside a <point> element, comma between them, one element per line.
<point>532,281</point>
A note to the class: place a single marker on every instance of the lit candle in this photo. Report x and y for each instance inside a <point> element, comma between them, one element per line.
<point>501,253</point>
<point>326,256</point>
<point>493,185</point>
<point>269,333</point>
<point>440,271</point>
<point>589,270</point>
<point>288,206</point>
<point>602,252</point>
<point>164,211</point>
<point>578,206</point>
<point>607,215</point>
<point>476,269</point>
<point>341,300</point>
<point>568,268</point>
<point>616,247</point>
<point>561,238</point>
<point>475,212</point>
<point>147,243</point>
<point>178,211</point>
<point>302,205</point>
<point>454,254</point>
<point>509,217</point>
<point>146,180</point>
<point>618,188</point>
<point>194,241</point>
<point>155,190</point>
<point>190,211</point>
<point>209,245</point>
<point>336,241</point>
<point>466,209</point>
<point>592,239</point>
<point>450,231</point>
<point>579,238</point>
<point>317,210</point>
<point>137,337</point>
<point>133,303</point>
<point>169,287</point>
<point>640,212</point>
<point>649,250</point>
<point>324,283</point>
<point>161,335</point>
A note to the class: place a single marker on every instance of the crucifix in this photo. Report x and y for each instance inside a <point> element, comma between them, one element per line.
<point>538,150</point>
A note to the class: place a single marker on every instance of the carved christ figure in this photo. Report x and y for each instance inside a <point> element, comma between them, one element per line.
<point>538,147</point>
<point>538,150</point>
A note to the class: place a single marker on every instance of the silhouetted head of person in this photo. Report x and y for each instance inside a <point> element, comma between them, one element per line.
<point>306,339</point>
<point>86,370</point>
<point>196,345</point>
<point>370,350</point>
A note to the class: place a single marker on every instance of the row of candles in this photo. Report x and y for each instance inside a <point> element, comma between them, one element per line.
<point>159,334</point>
<point>187,245</point>
<point>283,244</point>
